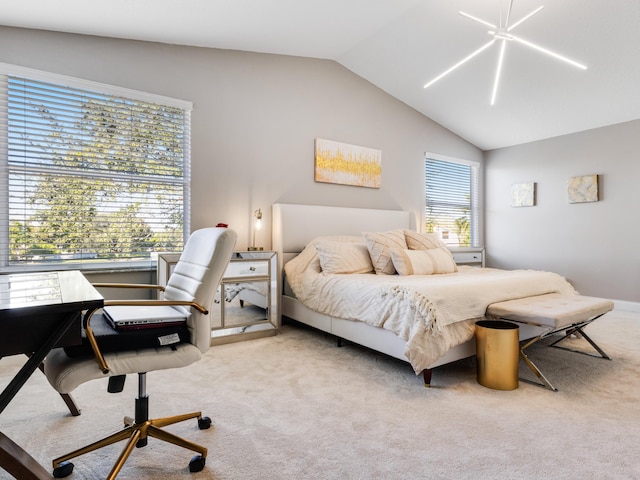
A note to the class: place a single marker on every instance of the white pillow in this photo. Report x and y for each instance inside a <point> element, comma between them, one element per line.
<point>380,245</point>
<point>344,257</point>
<point>422,241</point>
<point>423,262</point>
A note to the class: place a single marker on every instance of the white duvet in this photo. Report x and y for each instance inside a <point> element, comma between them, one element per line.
<point>432,313</point>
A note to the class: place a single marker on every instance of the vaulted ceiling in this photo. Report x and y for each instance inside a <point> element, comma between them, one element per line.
<point>400,45</point>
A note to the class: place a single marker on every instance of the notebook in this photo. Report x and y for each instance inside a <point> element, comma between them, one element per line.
<point>143,316</point>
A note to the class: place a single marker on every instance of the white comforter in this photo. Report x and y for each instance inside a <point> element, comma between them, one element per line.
<point>432,313</point>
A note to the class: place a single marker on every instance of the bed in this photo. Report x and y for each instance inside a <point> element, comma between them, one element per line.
<point>424,344</point>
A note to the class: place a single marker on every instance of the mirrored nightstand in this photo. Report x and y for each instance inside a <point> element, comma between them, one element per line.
<point>248,298</point>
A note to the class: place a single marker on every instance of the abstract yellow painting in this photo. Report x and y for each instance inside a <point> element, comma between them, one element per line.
<point>345,164</point>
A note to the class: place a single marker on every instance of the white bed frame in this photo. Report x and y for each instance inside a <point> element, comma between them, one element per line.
<point>295,225</point>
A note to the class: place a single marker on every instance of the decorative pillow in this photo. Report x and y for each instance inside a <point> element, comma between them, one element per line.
<point>423,262</point>
<point>380,244</point>
<point>422,241</point>
<point>341,257</point>
<point>337,238</point>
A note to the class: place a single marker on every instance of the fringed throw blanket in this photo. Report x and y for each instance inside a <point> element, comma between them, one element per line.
<point>432,313</point>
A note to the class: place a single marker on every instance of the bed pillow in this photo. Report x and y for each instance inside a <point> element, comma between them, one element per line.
<point>344,257</point>
<point>380,244</point>
<point>422,241</point>
<point>423,262</point>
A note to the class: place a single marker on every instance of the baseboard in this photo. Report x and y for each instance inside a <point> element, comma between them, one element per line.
<point>627,306</point>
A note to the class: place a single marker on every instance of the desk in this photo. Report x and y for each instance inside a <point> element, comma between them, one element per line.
<point>38,311</point>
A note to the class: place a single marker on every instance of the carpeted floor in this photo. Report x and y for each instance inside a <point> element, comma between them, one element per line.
<point>295,406</point>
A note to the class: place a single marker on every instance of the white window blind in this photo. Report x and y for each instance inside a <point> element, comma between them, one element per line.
<point>452,207</point>
<point>90,175</point>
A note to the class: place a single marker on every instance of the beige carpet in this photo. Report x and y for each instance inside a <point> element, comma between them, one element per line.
<point>295,406</point>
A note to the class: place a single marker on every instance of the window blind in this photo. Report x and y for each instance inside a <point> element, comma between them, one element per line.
<point>451,206</point>
<point>90,176</point>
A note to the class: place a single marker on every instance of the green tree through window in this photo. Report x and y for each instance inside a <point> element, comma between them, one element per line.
<point>451,205</point>
<point>91,177</point>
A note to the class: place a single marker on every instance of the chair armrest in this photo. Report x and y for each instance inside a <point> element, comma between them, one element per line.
<point>129,285</point>
<point>93,342</point>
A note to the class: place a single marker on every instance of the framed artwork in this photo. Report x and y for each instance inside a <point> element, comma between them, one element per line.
<point>523,194</point>
<point>346,164</point>
<point>583,189</point>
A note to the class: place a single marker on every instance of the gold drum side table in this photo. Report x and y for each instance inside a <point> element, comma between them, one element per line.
<point>497,354</point>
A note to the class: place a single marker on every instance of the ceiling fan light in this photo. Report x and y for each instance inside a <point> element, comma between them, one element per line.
<point>549,52</point>
<point>463,61</point>
<point>502,33</point>
<point>525,18</point>
<point>498,71</point>
<point>479,20</point>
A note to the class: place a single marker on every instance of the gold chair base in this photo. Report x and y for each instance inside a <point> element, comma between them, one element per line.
<point>138,433</point>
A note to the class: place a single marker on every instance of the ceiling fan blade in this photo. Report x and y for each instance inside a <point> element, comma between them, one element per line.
<point>479,20</point>
<point>548,52</point>
<point>506,21</point>
<point>464,60</point>
<point>498,71</point>
<point>526,17</point>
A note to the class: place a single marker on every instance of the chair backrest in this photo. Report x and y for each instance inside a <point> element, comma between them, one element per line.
<point>197,275</point>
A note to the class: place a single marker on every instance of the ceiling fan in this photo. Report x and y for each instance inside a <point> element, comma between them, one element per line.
<point>502,34</point>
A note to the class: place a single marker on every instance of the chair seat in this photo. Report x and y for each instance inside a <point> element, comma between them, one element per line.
<point>552,310</point>
<point>66,373</point>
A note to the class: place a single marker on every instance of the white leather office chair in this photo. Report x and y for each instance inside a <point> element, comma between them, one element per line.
<point>192,285</point>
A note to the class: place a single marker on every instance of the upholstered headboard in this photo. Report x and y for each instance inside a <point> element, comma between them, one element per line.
<point>294,226</point>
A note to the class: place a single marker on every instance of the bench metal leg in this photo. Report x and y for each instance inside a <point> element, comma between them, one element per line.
<point>581,333</point>
<point>577,328</point>
<point>533,367</point>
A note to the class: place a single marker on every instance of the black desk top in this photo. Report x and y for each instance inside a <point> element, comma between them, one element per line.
<point>30,290</point>
<point>33,304</point>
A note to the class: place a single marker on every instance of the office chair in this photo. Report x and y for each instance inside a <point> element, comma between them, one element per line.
<point>191,286</point>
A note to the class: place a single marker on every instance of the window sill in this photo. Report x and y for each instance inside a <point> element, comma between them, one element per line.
<point>143,266</point>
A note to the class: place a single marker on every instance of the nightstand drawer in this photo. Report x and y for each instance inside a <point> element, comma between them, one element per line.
<point>474,257</point>
<point>247,269</point>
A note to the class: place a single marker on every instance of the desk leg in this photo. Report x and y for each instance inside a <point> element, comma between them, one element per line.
<point>19,463</point>
<point>13,458</point>
<point>34,361</point>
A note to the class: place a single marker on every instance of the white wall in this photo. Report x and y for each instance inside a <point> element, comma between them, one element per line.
<point>255,119</point>
<point>592,244</point>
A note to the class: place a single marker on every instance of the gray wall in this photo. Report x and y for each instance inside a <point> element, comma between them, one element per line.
<point>254,121</point>
<point>256,117</point>
<point>592,244</point>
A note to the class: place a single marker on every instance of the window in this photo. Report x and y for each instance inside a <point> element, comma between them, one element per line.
<point>90,175</point>
<point>452,201</point>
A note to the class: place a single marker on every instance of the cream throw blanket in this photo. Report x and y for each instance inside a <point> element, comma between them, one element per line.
<point>432,313</point>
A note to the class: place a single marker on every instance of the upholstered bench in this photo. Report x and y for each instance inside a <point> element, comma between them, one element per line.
<point>554,313</point>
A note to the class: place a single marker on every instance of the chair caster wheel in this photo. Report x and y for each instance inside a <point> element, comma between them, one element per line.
<point>197,463</point>
<point>204,423</point>
<point>63,470</point>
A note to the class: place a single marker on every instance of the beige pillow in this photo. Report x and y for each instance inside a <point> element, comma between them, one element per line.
<point>380,245</point>
<point>422,241</point>
<point>423,262</point>
<point>344,257</point>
